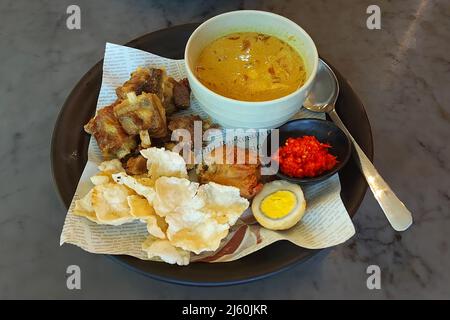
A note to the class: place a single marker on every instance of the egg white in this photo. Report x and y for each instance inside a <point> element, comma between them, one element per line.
<point>289,220</point>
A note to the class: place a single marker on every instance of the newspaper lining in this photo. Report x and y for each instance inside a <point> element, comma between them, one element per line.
<point>326,222</point>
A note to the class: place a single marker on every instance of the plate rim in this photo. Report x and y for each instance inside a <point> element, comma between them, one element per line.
<point>120,259</point>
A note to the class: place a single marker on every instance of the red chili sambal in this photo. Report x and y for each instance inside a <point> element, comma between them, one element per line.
<point>305,157</point>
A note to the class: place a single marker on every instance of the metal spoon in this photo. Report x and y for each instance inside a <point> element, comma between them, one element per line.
<point>323,98</point>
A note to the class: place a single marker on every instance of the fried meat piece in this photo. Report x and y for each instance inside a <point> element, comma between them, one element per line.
<point>144,136</point>
<point>136,165</point>
<point>187,122</point>
<point>111,137</point>
<point>148,80</point>
<point>182,94</point>
<point>184,122</point>
<point>245,176</point>
<point>167,99</point>
<point>143,112</point>
<point>151,80</point>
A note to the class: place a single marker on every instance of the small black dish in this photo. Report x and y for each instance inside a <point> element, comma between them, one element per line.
<point>326,132</point>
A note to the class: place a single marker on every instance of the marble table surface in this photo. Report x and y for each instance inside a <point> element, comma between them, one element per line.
<point>401,72</point>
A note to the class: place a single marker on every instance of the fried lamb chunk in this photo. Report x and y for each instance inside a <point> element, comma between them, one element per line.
<point>173,94</point>
<point>111,138</point>
<point>246,175</point>
<point>148,80</point>
<point>184,122</point>
<point>182,94</point>
<point>188,122</point>
<point>143,112</point>
<point>136,165</point>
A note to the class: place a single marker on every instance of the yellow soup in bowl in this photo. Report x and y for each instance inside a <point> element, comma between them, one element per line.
<point>250,66</point>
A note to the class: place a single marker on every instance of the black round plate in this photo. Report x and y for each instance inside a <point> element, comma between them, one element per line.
<point>69,156</point>
<point>326,132</point>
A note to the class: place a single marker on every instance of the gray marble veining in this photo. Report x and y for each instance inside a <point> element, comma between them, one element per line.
<point>401,73</point>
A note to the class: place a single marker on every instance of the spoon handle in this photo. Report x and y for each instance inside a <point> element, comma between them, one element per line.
<point>396,212</point>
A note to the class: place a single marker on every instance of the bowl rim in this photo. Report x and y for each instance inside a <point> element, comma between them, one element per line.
<point>324,175</point>
<point>308,82</point>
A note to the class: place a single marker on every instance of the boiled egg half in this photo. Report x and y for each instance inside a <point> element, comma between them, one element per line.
<point>279,206</point>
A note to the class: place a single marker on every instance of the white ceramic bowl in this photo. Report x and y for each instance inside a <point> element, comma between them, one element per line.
<point>232,113</point>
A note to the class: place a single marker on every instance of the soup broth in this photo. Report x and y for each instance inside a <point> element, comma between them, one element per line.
<point>250,66</point>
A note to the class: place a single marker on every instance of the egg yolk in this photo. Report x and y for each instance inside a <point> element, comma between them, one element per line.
<point>278,204</point>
